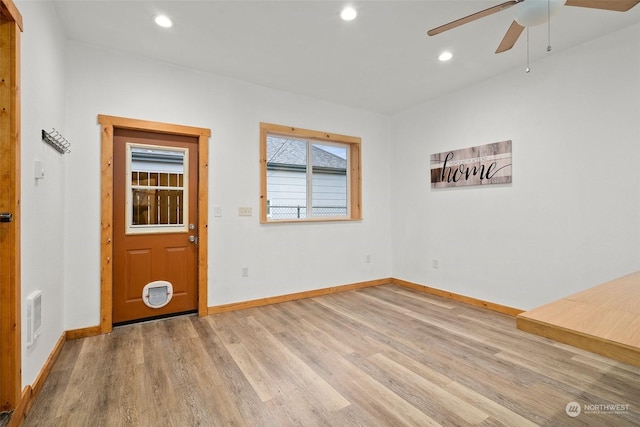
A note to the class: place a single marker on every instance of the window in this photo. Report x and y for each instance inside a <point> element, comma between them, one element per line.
<point>308,175</point>
<point>156,197</point>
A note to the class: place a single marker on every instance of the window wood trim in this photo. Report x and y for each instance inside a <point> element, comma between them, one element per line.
<point>355,171</point>
<point>108,123</point>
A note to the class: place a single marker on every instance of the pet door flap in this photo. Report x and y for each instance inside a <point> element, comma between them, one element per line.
<point>157,294</point>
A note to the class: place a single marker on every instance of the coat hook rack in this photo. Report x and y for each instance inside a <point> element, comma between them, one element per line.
<point>56,140</point>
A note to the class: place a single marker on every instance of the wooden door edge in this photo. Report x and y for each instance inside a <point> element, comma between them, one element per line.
<point>10,288</point>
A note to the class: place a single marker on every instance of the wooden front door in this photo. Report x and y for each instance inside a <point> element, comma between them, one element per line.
<point>155,194</point>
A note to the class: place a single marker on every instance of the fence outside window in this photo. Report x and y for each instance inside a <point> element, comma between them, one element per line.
<point>295,212</point>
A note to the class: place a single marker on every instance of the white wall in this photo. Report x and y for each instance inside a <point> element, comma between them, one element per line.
<point>281,258</point>
<point>571,217</point>
<point>43,201</point>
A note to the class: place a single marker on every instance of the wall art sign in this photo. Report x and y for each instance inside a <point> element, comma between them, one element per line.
<point>481,165</point>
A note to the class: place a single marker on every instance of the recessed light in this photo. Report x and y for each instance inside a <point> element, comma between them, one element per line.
<point>163,21</point>
<point>348,14</point>
<point>445,56</point>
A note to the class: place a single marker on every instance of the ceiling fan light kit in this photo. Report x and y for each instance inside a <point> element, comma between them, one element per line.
<point>533,12</point>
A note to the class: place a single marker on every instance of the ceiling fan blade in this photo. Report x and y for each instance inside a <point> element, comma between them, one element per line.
<point>509,39</point>
<point>473,17</point>
<point>616,5</point>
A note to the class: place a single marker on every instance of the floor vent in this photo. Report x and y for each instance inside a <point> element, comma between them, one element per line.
<point>34,316</point>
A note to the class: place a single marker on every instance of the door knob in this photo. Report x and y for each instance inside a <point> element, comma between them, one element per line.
<point>193,239</point>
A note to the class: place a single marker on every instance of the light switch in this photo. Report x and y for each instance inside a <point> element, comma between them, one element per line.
<point>38,169</point>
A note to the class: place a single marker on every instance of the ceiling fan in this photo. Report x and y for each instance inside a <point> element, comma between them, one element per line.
<point>532,12</point>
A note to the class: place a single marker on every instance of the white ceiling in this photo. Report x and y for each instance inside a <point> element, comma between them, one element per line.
<point>382,62</point>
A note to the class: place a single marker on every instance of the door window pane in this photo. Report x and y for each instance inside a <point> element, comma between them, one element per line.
<point>157,192</point>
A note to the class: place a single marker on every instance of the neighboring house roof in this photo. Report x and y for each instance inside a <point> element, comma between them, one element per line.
<point>287,152</point>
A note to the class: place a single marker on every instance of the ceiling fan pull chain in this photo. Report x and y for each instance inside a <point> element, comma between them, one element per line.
<point>527,69</point>
<point>549,25</point>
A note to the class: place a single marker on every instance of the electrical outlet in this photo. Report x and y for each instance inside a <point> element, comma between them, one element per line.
<point>245,271</point>
<point>244,211</point>
<point>435,264</point>
<point>367,259</point>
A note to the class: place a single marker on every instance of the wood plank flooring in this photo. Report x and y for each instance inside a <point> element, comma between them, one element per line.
<point>604,319</point>
<point>380,356</point>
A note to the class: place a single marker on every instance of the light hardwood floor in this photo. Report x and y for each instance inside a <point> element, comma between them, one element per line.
<point>380,356</point>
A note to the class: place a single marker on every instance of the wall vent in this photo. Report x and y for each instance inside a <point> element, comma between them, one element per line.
<point>34,316</point>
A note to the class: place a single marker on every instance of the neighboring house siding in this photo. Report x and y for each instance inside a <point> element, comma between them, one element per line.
<point>288,189</point>
<point>329,190</point>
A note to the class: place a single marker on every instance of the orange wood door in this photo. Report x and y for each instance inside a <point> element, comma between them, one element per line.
<point>155,181</point>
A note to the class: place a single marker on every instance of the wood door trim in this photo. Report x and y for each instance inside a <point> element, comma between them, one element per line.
<point>10,119</point>
<point>108,123</point>
<point>10,13</point>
